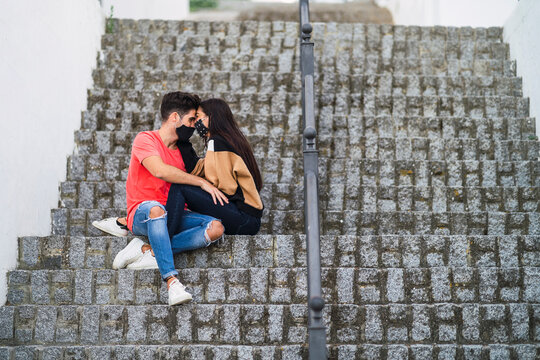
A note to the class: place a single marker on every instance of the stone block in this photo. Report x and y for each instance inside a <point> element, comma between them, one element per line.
<point>99,353</point>
<point>373,324</point>
<point>421,352</point>
<point>531,281</point>
<point>230,333</point>
<point>259,284</point>
<point>421,323</point>
<point>112,326</point>
<point>84,286</point>
<point>40,286</point>
<point>395,291</point>
<point>29,249</point>
<point>89,332</point>
<point>45,324</point>
<point>520,321</point>
<point>52,353</point>
<point>345,285</point>
<point>136,324</point>
<point>6,322</point>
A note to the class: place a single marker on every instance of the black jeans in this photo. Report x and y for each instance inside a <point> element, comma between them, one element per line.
<point>236,222</point>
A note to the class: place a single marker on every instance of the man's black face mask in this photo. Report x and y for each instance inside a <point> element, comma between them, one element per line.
<point>184,132</point>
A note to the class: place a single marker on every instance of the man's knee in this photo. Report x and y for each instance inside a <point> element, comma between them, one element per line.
<point>215,230</point>
<point>156,212</point>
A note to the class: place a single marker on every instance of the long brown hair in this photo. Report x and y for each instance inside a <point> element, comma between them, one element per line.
<point>221,122</point>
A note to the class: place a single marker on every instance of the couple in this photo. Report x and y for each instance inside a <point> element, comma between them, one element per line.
<point>182,202</point>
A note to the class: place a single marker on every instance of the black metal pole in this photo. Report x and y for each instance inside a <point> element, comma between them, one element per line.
<point>316,328</point>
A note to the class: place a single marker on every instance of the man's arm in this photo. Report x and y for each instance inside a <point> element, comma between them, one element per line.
<point>171,174</point>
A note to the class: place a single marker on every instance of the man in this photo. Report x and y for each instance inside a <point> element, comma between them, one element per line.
<point>155,163</point>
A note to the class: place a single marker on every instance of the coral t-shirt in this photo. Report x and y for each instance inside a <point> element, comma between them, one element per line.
<point>141,185</point>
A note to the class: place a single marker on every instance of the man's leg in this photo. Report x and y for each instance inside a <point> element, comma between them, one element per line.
<point>196,231</point>
<point>151,220</point>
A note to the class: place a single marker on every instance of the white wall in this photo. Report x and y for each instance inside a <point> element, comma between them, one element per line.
<point>147,9</point>
<point>482,13</point>
<point>48,49</point>
<point>522,32</point>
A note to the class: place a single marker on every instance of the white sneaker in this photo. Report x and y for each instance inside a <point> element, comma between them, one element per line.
<point>147,261</point>
<point>132,252</point>
<point>111,226</point>
<point>178,294</point>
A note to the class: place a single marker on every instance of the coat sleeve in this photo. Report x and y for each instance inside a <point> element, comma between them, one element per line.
<point>189,156</point>
<point>227,171</point>
<point>198,170</point>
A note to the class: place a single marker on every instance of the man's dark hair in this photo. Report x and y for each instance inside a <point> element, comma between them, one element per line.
<point>180,102</point>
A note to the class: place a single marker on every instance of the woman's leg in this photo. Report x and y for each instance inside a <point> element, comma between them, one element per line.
<point>201,202</point>
<point>175,209</point>
<point>251,226</point>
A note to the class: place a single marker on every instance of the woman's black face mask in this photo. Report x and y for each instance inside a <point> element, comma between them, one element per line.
<point>184,132</point>
<point>201,129</point>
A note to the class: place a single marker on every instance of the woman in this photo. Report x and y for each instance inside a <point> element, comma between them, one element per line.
<point>229,164</point>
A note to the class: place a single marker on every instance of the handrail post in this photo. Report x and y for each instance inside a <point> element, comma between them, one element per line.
<point>316,328</point>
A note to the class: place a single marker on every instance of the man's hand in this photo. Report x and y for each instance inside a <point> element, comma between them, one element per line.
<point>214,191</point>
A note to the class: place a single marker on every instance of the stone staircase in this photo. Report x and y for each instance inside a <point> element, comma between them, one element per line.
<point>429,183</point>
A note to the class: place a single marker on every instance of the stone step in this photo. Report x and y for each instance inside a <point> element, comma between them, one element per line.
<point>339,126</point>
<point>350,147</point>
<point>270,82</point>
<point>77,222</point>
<point>220,28</point>
<point>288,61</point>
<point>276,251</point>
<point>338,196</point>
<point>285,286</point>
<point>486,173</point>
<point>459,324</point>
<point>357,45</point>
<point>192,351</point>
<point>442,350</point>
<point>326,104</point>
<point>129,27</point>
<point>105,195</point>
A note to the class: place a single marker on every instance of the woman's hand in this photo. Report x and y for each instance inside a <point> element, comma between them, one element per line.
<point>214,191</point>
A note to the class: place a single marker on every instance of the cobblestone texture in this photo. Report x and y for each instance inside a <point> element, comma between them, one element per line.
<point>429,202</point>
<point>326,104</point>
<point>291,352</point>
<point>407,251</point>
<point>454,324</point>
<point>383,147</point>
<point>360,126</point>
<point>346,285</point>
<point>95,167</point>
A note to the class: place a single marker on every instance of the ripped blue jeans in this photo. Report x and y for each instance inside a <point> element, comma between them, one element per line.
<point>191,236</point>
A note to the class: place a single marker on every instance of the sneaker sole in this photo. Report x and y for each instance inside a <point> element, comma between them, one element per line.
<point>141,268</point>
<point>96,224</point>
<point>182,301</point>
